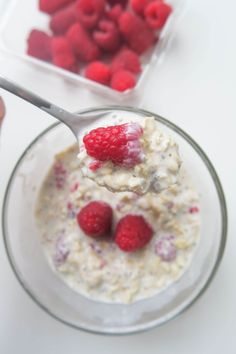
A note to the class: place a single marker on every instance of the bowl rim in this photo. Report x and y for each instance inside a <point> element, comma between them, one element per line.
<point>223,209</point>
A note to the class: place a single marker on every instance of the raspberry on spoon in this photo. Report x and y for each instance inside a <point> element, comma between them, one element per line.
<point>119,144</point>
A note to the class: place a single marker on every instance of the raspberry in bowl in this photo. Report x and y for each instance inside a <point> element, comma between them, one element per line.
<point>161,260</point>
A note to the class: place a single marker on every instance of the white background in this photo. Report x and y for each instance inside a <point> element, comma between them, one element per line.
<point>195,87</point>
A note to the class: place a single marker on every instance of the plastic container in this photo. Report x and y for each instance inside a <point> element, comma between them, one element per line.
<point>21,16</point>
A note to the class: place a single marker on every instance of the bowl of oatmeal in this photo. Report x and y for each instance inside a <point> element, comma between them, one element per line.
<point>91,283</point>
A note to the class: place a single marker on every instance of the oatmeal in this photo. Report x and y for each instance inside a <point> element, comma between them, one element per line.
<point>98,268</point>
<point>157,160</point>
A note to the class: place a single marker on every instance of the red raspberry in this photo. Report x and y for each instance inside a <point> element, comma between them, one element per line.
<point>62,20</point>
<point>63,55</point>
<point>107,36</point>
<point>51,6</point>
<point>39,45</point>
<point>157,13</point>
<point>119,144</point>
<point>193,210</point>
<point>123,80</point>
<point>95,165</point>
<point>136,32</point>
<point>132,233</point>
<point>89,12</point>
<point>95,219</point>
<point>82,44</point>
<point>115,12</point>
<point>126,59</point>
<point>114,2</point>
<point>99,72</point>
<point>165,248</point>
<point>139,5</point>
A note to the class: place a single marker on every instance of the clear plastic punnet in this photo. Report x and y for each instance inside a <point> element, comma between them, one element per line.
<point>20,17</point>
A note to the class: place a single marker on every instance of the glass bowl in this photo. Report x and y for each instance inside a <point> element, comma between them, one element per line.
<point>30,266</point>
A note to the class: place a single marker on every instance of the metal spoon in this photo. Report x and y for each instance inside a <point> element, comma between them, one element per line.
<point>76,122</point>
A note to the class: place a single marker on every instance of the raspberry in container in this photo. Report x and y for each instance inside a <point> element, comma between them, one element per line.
<point>108,46</point>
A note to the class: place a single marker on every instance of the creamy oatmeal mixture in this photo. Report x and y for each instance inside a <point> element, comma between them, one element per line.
<point>159,167</point>
<point>98,269</point>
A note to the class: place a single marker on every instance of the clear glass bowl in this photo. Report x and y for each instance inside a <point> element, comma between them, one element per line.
<point>51,294</point>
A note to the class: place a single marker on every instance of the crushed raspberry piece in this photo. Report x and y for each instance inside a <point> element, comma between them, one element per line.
<point>193,210</point>
<point>126,59</point>
<point>62,250</point>
<point>95,165</point>
<point>82,43</point>
<point>132,233</point>
<point>98,71</point>
<point>157,13</point>
<point>69,205</point>
<point>165,248</point>
<point>103,263</point>
<point>95,247</point>
<point>123,80</point>
<point>119,144</point>
<point>63,55</point>
<point>139,5</point>
<point>136,32</point>
<point>60,175</point>
<point>107,36</point>
<point>95,219</point>
<point>71,210</point>
<point>74,187</point>
<point>51,6</point>
<point>62,20</point>
<point>114,13</point>
<point>170,205</point>
<point>121,2</point>
<point>39,45</point>
<point>120,206</point>
<point>89,12</point>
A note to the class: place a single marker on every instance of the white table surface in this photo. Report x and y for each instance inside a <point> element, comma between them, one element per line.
<point>195,88</point>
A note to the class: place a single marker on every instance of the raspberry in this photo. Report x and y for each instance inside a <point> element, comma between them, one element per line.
<point>39,45</point>
<point>193,210</point>
<point>89,12</point>
<point>132,233</point>
<point>165,248</point>
<point>119,144</point>
<point>107,36</point>
<point>126,59</point>
<point>95,219</point>
<point>136,32</point>
<point>114,2</point>
<point>115,12</point>
<point>95,165</point>
<point>99,72</point>
<point>62,20</point>
<point>139,5</point>
<point>62,250</point>
<point>156,14</point>
<point>63,55</point>
<point>82,44</point>
<point>51,6</point>
<point>123,80</point>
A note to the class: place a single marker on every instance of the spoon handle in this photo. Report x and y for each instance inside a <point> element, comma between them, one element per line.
<point>37,101</point>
